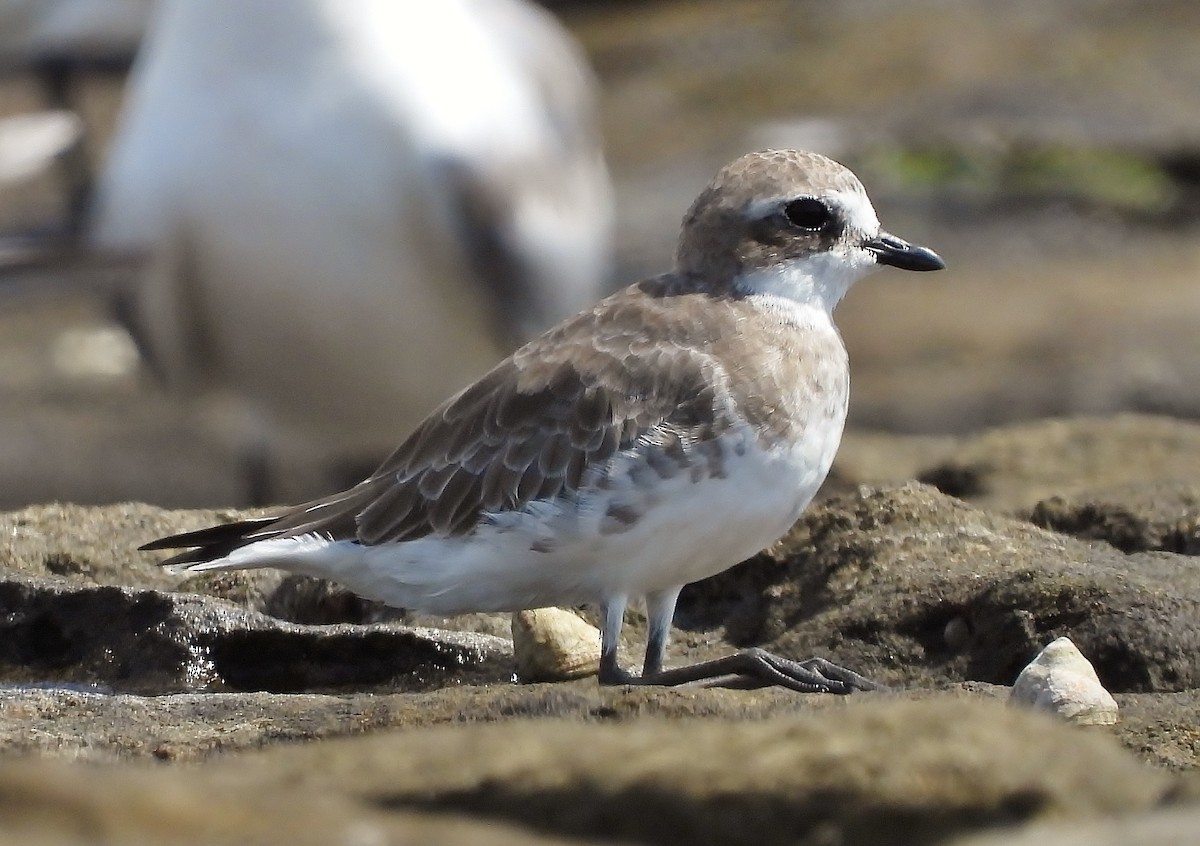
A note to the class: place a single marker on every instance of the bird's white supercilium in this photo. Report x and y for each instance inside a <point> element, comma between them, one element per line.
<point>674,429</point>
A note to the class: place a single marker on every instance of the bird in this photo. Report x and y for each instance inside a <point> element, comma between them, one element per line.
<point>336,205</point>
<point>674,429</point>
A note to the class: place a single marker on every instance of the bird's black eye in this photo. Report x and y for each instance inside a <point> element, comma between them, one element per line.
<point>808,213</point>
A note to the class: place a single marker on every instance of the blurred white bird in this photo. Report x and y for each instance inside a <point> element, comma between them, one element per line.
<point>35,30</point>
<point>349,209</point>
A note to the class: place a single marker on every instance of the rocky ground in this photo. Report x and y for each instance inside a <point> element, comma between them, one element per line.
<point>994,493</point>
<point>423,733</point>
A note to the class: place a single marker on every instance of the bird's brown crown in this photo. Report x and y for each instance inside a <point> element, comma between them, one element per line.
<point>769,207</point>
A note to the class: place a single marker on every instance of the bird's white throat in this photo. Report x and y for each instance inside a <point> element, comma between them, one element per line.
<point>819,280</point>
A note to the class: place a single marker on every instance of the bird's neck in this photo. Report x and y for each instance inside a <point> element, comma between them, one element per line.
<point>818,281</point>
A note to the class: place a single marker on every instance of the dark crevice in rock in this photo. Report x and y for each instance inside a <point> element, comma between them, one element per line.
<point>289,661</point>
<point>930,629</point>
<point>653,815</point>
<point>315,602</point>
<point>1118,525</point>
<point>150,642</point>
<point>104,635</point>
<point>963,481</point>
<point>732,599</point>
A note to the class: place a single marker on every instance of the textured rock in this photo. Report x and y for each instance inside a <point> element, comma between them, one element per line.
<point>152,641</point>
<point>1160,516</point>
<point>919,771</point>
<point>1174,826</point>
<point>908,586</point>
<point>1015,467</point>
<point>1060,680</point>
<point>88,545</point>
<point>92,726</point>
<point>904,584</point>
<point>1161,728</point>
<point>915,588</point>
<point>52,804</point>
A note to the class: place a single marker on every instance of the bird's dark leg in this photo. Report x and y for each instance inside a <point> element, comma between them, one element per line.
<point>660,611</point>
<point>612,612</point>
<point>748,668</point>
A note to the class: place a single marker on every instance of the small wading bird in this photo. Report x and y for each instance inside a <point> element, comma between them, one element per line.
<point>676,428</point>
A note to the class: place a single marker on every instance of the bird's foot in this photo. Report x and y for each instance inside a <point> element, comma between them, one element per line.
<point>612,674</point>
<point>754,668</point>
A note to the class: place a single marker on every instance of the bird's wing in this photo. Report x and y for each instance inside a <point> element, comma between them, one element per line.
<point>537,427</point>
<point>546,421</point>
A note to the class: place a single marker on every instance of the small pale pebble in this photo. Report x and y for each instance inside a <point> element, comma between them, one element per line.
<point>96,352</point>
<point>553,644</point>
<point>1062,681</point>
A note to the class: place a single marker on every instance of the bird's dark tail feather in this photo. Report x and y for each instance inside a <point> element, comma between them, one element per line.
<point>209,544</point>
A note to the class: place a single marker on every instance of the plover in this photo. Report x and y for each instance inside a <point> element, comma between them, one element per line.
<point>676,428</point>
<point>331,195</point>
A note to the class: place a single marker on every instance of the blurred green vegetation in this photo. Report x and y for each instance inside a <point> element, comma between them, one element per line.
<point>1124,181</point>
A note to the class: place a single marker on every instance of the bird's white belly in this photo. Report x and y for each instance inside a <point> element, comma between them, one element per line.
<point>555,553</point>
<point>696,530</point>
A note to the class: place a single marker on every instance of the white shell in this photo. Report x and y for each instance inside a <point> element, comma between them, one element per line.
<point>553,644</point>
<point>1062,681</point>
